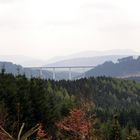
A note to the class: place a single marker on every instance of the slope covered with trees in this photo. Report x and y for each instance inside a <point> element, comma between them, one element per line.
<point>29,72</point>
<point>125,67</point>
<point>135,78</point>
<point>48,102</point>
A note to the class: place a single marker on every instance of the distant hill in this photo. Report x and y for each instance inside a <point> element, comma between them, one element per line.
<point>125,67</point>
<point>22,60</point>
<point>92,53</point>
<point>18,69</point>
<point>136,79</point>
<point>30,72</point>
<point>73,59</point>
<point>86,61</point>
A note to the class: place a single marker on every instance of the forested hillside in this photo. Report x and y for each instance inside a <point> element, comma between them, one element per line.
<point>137,79</point>
<point>125,67</point>
<point>28,72</point>
<point>102,108</point>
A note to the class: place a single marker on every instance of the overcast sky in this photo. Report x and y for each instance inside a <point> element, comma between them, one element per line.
<point>47,28</point>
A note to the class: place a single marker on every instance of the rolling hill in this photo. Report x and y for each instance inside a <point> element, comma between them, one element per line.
<point>86,61</point>
<point>18,69</point>
<point>125,67</point>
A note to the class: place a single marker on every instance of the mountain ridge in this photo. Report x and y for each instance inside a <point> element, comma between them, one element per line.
<point>125,67</point>
<point>86,61</point>
<point>28,61</point>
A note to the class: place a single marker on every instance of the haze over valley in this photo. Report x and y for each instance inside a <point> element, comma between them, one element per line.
<point>119,64</point>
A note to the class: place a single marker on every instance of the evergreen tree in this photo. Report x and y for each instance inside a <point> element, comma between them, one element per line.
<point>115,133</point>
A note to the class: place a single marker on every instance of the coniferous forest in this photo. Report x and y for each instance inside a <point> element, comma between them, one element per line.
<point>101,108</point>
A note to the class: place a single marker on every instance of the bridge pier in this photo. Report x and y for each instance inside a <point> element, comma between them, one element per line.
<point>54,77</point>
<point>53,70</point>
<point>70,75</point>
<point>40,73</point>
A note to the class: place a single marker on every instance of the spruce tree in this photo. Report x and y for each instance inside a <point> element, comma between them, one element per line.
<point>115,133</point>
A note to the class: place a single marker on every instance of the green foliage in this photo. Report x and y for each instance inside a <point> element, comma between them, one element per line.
<point>46,101</point>
<point>33,101</point>
<point>115,129</point>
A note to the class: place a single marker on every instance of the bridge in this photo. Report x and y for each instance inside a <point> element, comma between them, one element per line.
<point>67,68</point>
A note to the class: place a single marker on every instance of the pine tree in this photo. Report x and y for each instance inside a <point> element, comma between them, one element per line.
<point>115,129</point>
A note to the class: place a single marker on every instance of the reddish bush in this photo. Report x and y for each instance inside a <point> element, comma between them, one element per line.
<point>76,125</point>
<point>41,134</point>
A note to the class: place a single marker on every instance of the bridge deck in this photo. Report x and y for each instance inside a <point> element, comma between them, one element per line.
<point>60,67</point>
